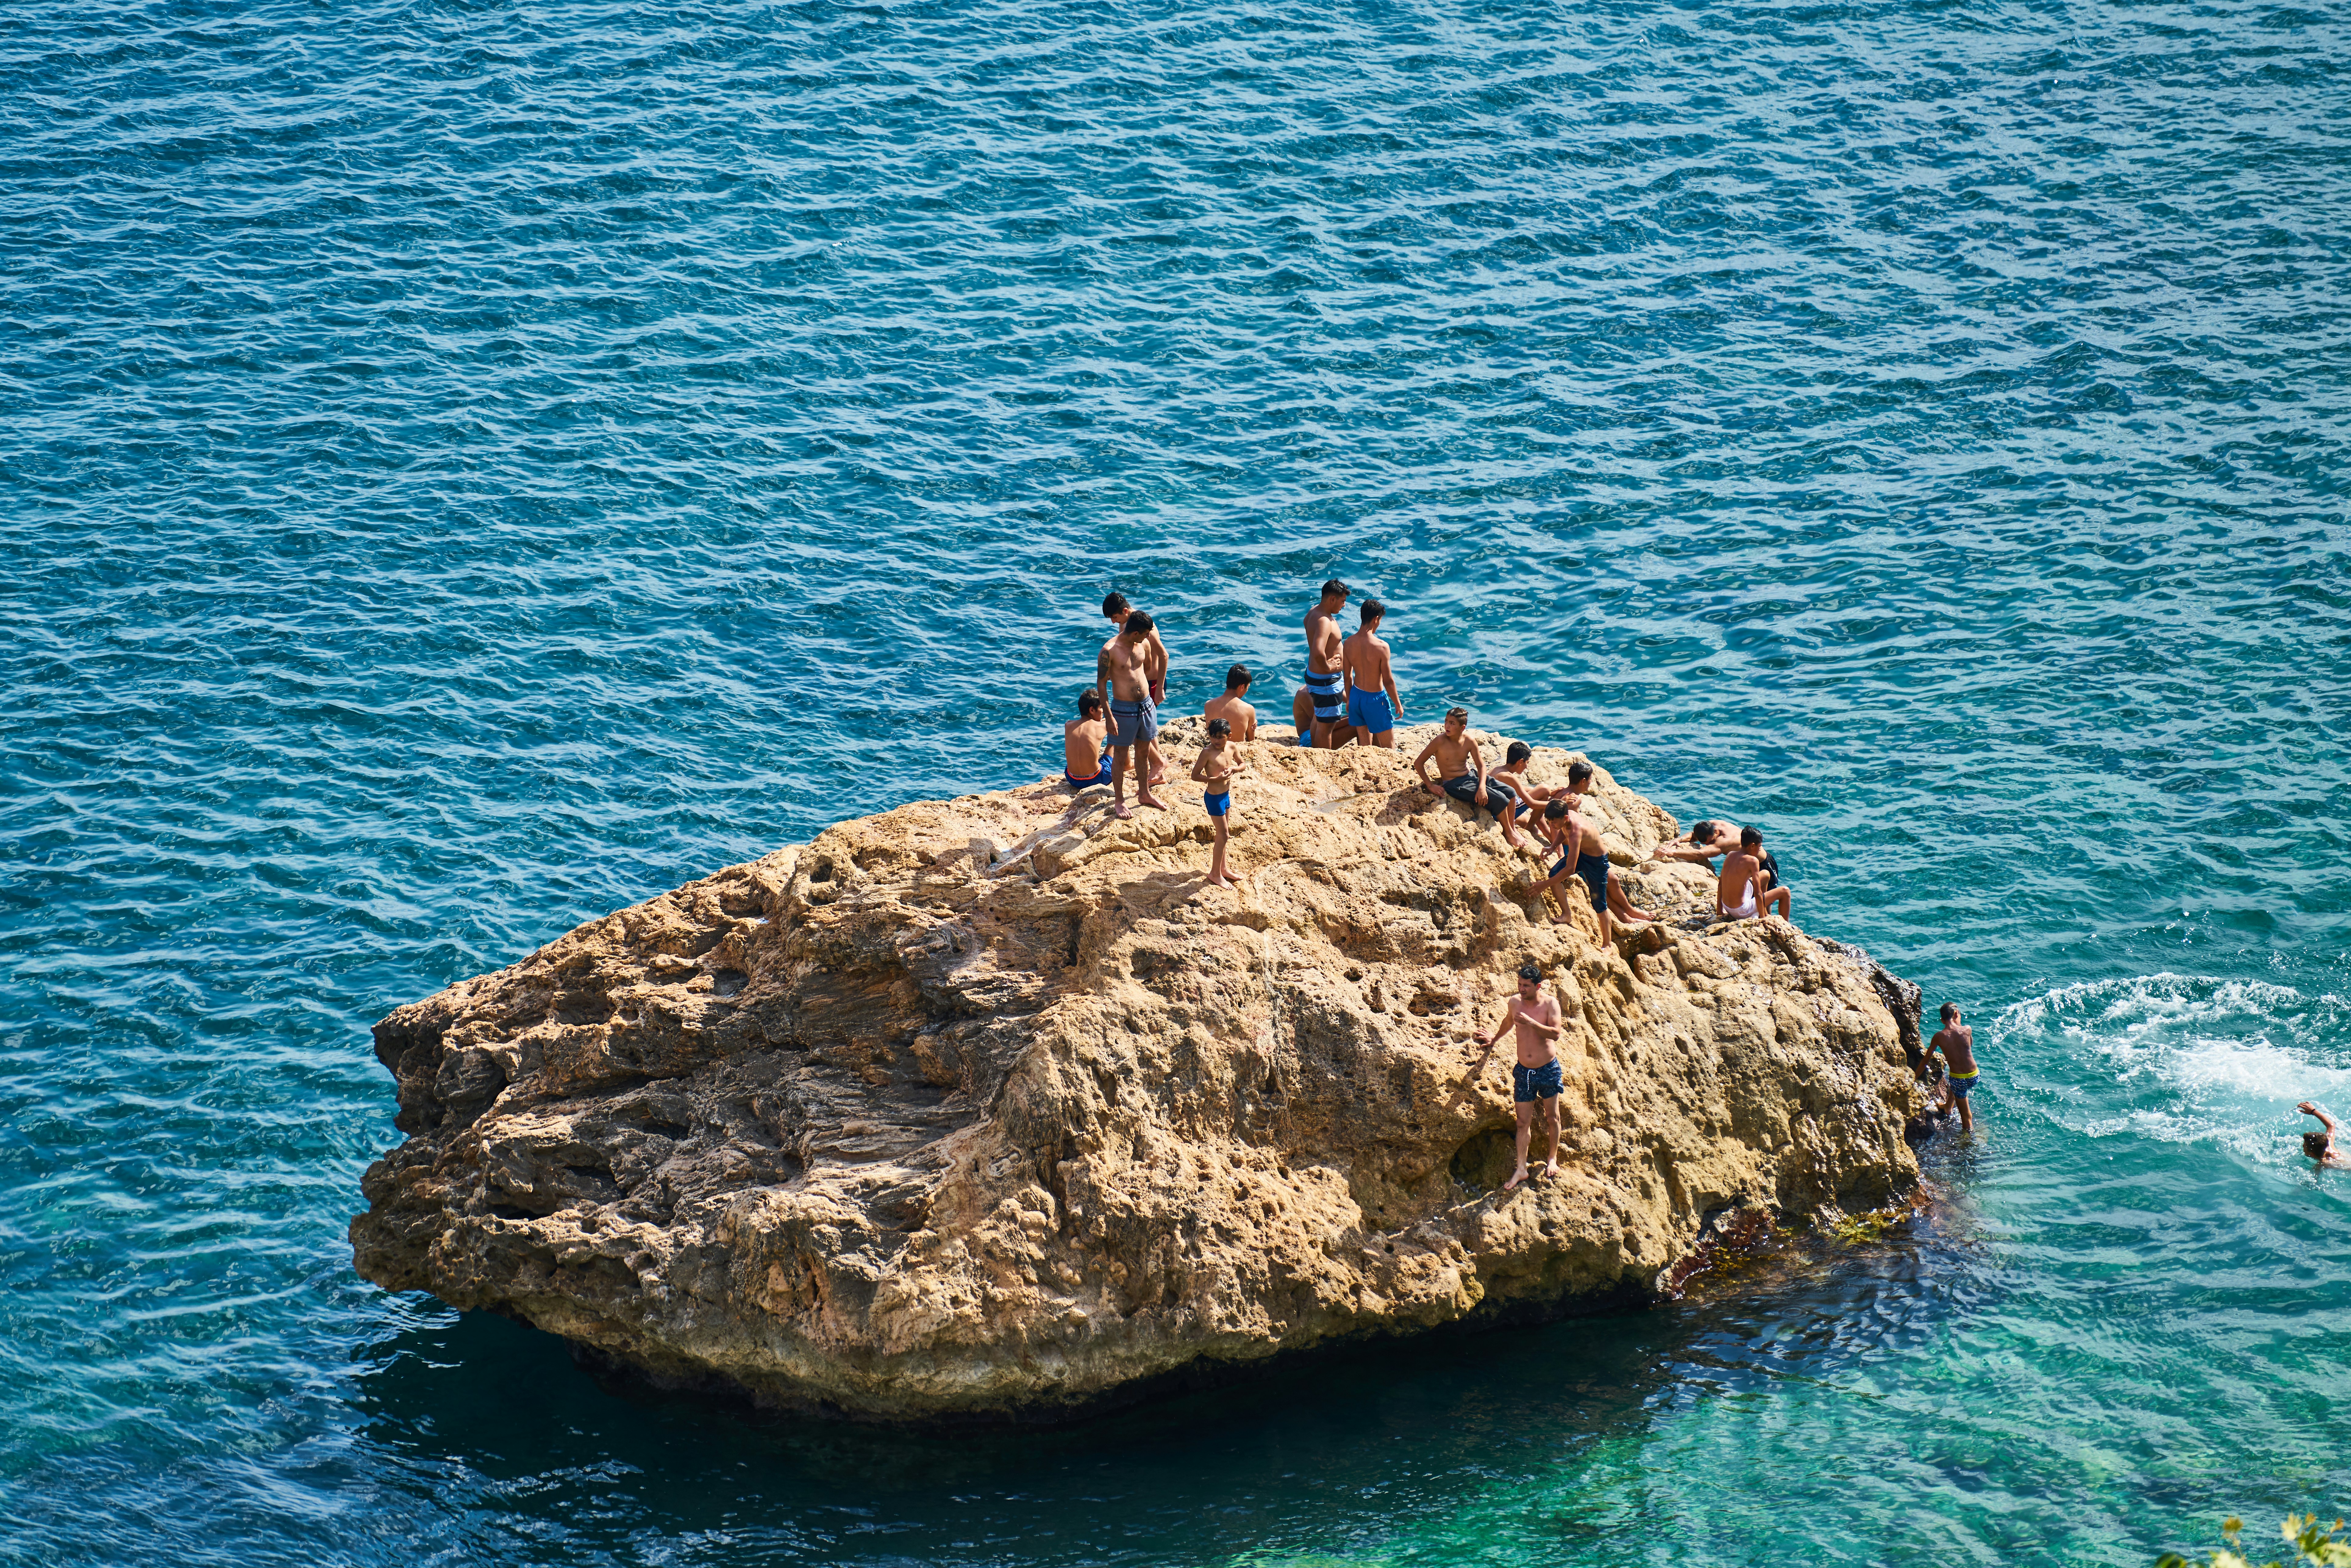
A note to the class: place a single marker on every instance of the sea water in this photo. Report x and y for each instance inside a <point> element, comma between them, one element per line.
<point>471,465</point>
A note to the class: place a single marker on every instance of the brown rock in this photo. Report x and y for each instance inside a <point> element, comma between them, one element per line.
<point>985,1108</point>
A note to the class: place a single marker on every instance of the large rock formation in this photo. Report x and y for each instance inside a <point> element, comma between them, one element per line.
<point>986,1108</point>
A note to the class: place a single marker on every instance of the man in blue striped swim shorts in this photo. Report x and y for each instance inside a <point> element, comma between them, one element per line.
<point>1322,676</point>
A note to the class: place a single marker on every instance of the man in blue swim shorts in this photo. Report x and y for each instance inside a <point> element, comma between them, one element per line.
<point>1124,668</point>
<point>1373,705</point>
<point>1085,744</point>
<point>1536,1079</point>
<point>1323,673</point>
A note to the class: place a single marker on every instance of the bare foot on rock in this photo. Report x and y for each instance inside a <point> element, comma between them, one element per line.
<point>1516,1177</point>
<point>1121,811</point>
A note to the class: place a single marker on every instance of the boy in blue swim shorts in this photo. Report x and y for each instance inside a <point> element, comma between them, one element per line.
<point>1085,744</point>
<point>1373,705</point>
<point>1536,1079</point>
<point>1217,767</point>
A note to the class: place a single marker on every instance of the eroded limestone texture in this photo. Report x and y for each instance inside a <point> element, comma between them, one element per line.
<point>985,1108</point>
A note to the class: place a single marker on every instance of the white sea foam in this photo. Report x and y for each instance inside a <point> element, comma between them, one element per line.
<point>2177,1057</point>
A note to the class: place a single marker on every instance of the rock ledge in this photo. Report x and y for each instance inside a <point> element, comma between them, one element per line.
<point>985,1109</point>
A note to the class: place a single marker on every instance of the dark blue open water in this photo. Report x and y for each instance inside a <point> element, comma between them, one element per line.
<point>466,466</point>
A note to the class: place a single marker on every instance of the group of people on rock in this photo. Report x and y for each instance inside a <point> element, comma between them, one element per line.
<point>1350,697</point>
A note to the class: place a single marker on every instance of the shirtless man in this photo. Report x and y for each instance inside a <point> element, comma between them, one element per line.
<point>1535,1081</point>
<point>1115,610</point>
<point>1233,707</point>
<point>2320,1146</point>
<point>1591,859</point>
<point>1322,672</point>
<point>1708,839</point>
<point>1373,705</point>
<point>1463,772</point>
<point>1745,892</point>
<point>1085,744</point>
<point>1124,669</point>
<point>1956,1041</point>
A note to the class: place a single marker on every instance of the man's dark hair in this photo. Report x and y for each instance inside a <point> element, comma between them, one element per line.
<point>2314,1144</point>
<point>1089,701</point>
<point>1237,677</point>
<point>1334,589</point>
<point>1115,604</point>
<point>1703,830</point>
<point>1138,622</point>
<point>1556,810</point>
<point>1577,772</point>
<point>1950,1012</point>
<point>1219,726</point>
<point>1749,837</point>
<point>1372,610</point>
<point>1519,751</point>
<point>1529,972</point>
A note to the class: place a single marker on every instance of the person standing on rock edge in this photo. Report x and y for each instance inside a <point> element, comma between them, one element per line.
<point>1234,707</point>
<point>1536,1079</point>
<point>1322,672</point>
<point>1115,610</point>
<point>1124,668</point>
<point>1373,705</point>
<point>1956,1041</point>
<point>1216,769</point>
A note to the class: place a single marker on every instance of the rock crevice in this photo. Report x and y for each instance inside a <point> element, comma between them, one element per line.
<point>987,1109</point>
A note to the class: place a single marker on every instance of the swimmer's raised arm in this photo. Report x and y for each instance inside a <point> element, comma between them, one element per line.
<point>2307,1109</point>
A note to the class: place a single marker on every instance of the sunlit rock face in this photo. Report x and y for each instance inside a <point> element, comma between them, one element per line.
<point>987,1109</point>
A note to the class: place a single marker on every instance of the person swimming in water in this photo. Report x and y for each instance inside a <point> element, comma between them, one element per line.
<point>1233,707</point>
<point>1216,769</point>
<point>2320,1145</point>
<point>1085,744</point>
<point>1957,1042</point>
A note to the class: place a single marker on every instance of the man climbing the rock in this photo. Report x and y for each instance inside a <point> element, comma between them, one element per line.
<point>1956,1041</point>
<point>1373,704</point>
<point>1535,1081</point>
<point>1708,842</point>
<point>1591,859</point>
<point>1124,670</point>
<point>1463,772</point>
<point>1322,672</point>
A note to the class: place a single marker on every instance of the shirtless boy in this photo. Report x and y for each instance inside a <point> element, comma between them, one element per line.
<point>1535,1081</point>
<point>1591,859</point>
<point>1233,707</point>
<point>1216,769</point>
<point>1463,772</point>
<point>1956,1041</point>
<point>1085,744</point>
<point>1373,705</point>
<point>1708,839</point>
<point>1745,892</point>
<point>1115,610</point>
<point>1124,668</point>
<point>1322,672</point>
<point>2320,1145</point>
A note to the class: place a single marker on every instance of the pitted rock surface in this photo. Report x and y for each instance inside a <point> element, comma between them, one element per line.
<point>986,1108</point>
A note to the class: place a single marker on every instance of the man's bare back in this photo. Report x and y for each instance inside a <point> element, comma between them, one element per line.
<point>1958,1044</point>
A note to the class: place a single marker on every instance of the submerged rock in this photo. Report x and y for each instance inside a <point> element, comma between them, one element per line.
<point>985,1108</point>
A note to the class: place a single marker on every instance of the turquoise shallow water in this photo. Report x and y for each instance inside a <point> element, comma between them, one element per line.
<point>468,466</point>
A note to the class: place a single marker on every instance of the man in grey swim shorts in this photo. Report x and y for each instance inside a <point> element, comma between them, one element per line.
<point>1124,669</point>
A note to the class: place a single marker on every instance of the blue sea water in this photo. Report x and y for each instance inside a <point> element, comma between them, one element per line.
<point>469,465</point>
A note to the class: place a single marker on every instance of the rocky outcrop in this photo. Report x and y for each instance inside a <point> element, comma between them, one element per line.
<point>986,1108</point>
